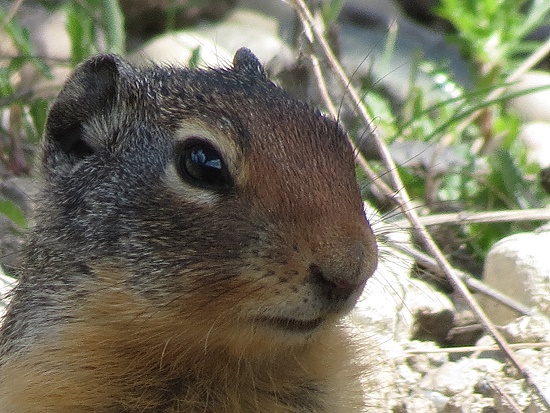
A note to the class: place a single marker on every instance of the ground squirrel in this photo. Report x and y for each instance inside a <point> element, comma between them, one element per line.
<point>197,240</point>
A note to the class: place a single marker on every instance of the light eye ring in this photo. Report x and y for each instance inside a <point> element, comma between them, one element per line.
<point>200,164</point>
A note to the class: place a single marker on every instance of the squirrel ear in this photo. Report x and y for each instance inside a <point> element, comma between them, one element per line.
<point>246,61</point>
<point>90,89</point>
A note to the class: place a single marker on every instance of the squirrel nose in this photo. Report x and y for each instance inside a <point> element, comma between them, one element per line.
<point>335,289</point>
<point>340,272</point>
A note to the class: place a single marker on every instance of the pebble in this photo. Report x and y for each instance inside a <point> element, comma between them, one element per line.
<point>528,329</point>
<point>456,377</point>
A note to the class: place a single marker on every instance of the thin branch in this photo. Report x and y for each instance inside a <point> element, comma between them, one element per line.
<point>473,349</point>
<point>306,17</point>
<point>466,217</point>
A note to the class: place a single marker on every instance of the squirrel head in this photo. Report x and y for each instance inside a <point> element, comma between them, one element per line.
<point>212,195</point>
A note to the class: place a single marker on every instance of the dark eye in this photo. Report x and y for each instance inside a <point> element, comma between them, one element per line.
<point>200,164</point>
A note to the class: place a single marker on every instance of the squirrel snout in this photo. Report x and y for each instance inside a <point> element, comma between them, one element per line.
<point>339,282</point>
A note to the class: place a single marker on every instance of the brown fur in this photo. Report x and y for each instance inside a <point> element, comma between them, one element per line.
<point>145,351</point>
<point>144,291</point>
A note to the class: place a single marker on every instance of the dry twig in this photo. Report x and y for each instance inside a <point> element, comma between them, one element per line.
<point>467,217</point>
<point>317,40</point>
<point>473,349</point>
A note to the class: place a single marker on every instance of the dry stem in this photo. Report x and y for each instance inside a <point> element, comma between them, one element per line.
<point>317,40</point>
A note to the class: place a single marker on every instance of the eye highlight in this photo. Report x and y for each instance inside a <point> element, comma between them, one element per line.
<point>200,164</point>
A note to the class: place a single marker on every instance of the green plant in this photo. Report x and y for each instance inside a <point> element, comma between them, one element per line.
<point>92,26</point>
<point>492,33</point>
<point>86,20</point>
<point>474,125</point>
<point>12,211</point>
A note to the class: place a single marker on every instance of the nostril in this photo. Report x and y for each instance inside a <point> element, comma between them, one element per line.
<point>335,289</point>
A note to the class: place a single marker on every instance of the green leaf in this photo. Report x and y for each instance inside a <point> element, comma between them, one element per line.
<point>113,24</point>
<point>81,30</point>
<point>38,111</point>
<point>12,211</point>
<point>330,11</point>
<point>20,38</point>
<point>194,60</point>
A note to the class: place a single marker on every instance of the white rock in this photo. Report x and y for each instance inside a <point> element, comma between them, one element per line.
<point>533,106</point>
<point>519,266</point>
<point>536,137</point>
<point>177,49</point>
<point>424,360</point>
<point>419,403</point>
<point>468,403</point>
<point>218,42</point>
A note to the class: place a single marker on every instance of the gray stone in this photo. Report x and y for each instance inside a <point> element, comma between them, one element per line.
<point>528,329</point>
<point>419,404</point>
<point>458,377</point>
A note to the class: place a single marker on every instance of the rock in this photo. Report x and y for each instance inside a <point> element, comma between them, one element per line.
<point>528,329</point>
<point>467,403</point>
<point>439,400</point>
<point>519,266</point>
<point>177,48</point>
<point>218,42</point>
<point>536,137</point>
<point>509,381</point>
<point>282,11</point>
<point>417,403</point>
<point>533,106</point>
<point>421,359</point>
<point>364,42</point>
<point>457,377</point>
<point>537,363</point>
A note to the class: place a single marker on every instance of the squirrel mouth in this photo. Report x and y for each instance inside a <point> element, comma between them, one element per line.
<point>290,324</point>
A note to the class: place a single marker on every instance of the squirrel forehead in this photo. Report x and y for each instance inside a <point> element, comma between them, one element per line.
<point>258,114</point>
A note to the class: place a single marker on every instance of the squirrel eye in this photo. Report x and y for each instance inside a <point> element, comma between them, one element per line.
<point>200,164</point>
